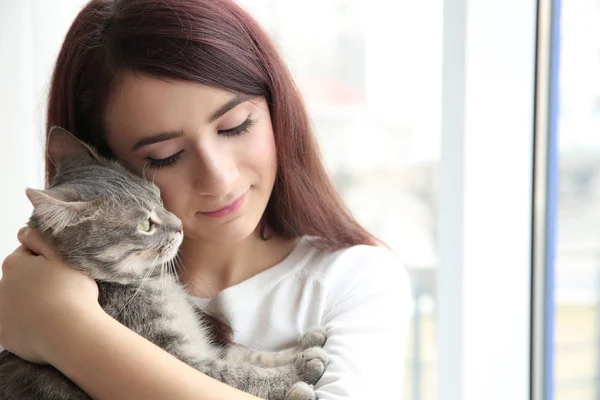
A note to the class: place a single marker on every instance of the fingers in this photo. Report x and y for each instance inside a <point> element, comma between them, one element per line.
<point>32,240</point>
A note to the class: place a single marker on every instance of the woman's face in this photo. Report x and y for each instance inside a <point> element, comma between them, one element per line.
<point>211,152</point>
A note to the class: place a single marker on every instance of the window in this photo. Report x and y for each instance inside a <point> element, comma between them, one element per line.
<point>577,277</point>
<point>374,95</point>
<point>424,112</point>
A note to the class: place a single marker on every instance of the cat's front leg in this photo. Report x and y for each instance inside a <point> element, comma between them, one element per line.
<point>301,391</point>
<point>272,383</point>
<point>314,338</point>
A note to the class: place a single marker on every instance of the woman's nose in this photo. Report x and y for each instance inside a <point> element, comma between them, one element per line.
<point>218,171</point>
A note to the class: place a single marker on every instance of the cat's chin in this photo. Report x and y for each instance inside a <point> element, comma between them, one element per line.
<point>169,253</point>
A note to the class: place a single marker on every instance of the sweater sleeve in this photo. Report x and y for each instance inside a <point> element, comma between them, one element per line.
<point>367,317</point>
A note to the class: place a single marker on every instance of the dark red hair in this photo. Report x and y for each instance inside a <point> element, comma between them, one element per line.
<point>212,42</point>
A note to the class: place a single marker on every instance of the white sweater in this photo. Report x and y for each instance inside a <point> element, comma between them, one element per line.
<point>360,295</point>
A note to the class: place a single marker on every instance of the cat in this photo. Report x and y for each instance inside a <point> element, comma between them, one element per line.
<point>111,224</point>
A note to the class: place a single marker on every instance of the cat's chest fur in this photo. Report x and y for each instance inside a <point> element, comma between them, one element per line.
<point>161,312</point>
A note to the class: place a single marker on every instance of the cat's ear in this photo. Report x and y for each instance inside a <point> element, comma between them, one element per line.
<point>65,149</point>
<point>55,211</point>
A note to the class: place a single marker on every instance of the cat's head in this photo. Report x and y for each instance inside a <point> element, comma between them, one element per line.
<point>103,219</point>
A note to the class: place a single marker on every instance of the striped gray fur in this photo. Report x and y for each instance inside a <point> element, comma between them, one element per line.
<point>95,213</point>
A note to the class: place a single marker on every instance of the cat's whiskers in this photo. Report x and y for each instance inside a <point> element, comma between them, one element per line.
<point>188,286</point>
<point>180,266</point>
<point>155,172</point>
<point>162,279</point>
<point>175,261</point>
<point>164,275</point>
<point>142,283</point>
<point>144,170</point>
<point>177,266</point>
<point>168,269</point>
<point>174,269</point>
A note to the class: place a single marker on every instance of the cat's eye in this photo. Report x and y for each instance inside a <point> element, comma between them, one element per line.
<point>146,225</point>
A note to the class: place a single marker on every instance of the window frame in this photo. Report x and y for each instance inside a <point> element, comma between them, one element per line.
<point>486,187</point>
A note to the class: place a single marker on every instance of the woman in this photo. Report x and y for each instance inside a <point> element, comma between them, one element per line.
<point>194,94</point>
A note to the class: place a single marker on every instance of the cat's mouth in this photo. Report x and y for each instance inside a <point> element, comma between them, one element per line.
<point>169,251</point>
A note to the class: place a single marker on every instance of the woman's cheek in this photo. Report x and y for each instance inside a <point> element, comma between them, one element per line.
<point>258,148</point>
<point>173,193</point>
<point>263,154</point>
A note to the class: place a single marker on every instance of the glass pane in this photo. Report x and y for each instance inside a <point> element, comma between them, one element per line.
<point>578,241</point>
<point>374,94</point>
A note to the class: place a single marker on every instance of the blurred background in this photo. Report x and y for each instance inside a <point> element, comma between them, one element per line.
<point>372,82</point>
<point>577,337</point>
<point>374,95</point>
<point>354,84</point>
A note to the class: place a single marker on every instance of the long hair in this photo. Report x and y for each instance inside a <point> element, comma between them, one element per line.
<point>212,42</point>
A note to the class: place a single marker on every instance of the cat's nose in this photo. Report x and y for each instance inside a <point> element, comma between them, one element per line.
<point>180,229</point>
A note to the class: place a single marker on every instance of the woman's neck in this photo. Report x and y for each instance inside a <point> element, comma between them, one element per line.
<point>208,268</point>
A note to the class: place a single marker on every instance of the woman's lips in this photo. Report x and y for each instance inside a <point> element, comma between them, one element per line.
<point>228,209</point>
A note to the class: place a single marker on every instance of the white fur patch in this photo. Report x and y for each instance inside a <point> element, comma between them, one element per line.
<point>178,312</point>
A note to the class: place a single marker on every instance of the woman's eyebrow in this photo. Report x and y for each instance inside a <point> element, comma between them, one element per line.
<point>163,136</point>
<point>235,100</point>
<point>159,137</point>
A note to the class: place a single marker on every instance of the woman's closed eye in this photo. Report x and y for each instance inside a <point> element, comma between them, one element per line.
<point>164,162</point>
<point>239,130</point>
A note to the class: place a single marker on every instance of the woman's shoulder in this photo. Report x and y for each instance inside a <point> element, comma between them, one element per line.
<point>360,267</point>
<point>360,258</point>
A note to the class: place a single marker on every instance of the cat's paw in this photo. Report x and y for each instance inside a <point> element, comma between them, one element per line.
<point>315,337</point>
<point>301,391</point>
<point>311,364</point>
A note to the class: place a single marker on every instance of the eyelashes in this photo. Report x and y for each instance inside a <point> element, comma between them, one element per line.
<point>240,129</point>
<point>164,162</point>
<point>244,127</point>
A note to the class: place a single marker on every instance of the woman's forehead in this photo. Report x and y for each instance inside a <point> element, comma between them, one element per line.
<point>144,104</point>
<point>141,94</point>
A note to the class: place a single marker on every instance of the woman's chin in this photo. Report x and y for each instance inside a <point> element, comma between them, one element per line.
<point>229,232</point>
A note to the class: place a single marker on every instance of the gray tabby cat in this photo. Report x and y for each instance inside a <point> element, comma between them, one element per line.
<point>111,224</point>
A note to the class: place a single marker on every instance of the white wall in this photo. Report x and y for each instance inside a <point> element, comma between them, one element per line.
<point>31,32</point>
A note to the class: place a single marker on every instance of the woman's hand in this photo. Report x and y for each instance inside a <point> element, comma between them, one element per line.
<point>40,297</point>
<point>49,313</point>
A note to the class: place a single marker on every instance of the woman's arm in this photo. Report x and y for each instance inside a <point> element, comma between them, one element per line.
<point>110,362</point>
<point>367,320</point>
<point>49,313</point>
